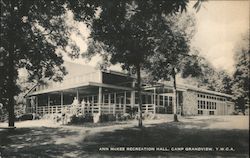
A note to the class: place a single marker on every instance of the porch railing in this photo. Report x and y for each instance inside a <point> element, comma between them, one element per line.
<point>88,108</point>
<point>147,108</point>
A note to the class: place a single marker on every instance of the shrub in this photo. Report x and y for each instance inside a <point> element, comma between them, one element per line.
<point>117,117</point>
<point>26,117</point>
<point>148,116</point>
<point>235,113</point>
<point>133,111</point>
<point>107,117</point>
<point>81,119</point>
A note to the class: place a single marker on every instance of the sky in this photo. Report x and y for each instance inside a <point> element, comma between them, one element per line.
<point>220,26</point>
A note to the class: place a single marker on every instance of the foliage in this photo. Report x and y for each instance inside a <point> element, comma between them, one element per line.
<point>31,33</point>
<point>81,119</point>
<point>211,78</point>
<point>126,32</point>
<point>107,117</point>
<point>173,51</point>
<point>240,86</point>
<point>117,117</point>
<point>172,55</point>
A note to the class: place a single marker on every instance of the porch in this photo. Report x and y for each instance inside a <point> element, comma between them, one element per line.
<point>91,99</point>
<point>88,109</point>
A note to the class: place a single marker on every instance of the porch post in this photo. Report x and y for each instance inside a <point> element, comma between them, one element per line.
<point>114,103</point>
<point>158,102</point>
<point>61,102</point>
<point>48,104</point>
<point>77,95</point>
<point>132,102</point>
<point>177,96</point>
<point>124,104</point>
<point>61,98</point>
<point>48,100</point>
<point>36,106</point>
<point>92,106</point>
<point>154,101</point>
<point>99,99</point>
<point>109,103</point>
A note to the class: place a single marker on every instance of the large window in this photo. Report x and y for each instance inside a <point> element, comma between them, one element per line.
<point>207,104</point>
<point>161,100</point>
<point>200,112</point>
<point>112,98</point>
<point>211,112</point>
<point>106,98</point>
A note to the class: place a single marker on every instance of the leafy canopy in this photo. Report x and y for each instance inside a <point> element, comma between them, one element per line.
<point>240,88</point>
<point>31,33</point>
<point>172,54</point>
<point>127,31</point>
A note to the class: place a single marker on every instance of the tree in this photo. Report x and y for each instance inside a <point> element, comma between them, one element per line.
<point>31,32</point>
<point>211,78</point>
<point>172,55</point>
<point>126,32</point>
<point>240,88</point>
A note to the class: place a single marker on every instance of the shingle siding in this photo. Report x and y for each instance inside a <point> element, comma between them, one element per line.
<point>190,103</point>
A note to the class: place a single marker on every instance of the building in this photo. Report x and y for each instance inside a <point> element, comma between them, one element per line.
<point>111,92</point>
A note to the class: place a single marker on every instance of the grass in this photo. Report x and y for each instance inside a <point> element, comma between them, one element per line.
<point>70,141</point>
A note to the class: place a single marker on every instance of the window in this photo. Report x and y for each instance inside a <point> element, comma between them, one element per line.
<point>211,112</point>
<point>95,99</point>
<point>170,101</point>
<point>112,98</point>
<point>106,98</point>
<point>200,112</point>
<point>166,100</point>
<point>161,100</point>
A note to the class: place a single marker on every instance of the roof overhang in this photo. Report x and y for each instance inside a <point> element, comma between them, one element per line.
<point>76,86</point>
<point>164,86</point>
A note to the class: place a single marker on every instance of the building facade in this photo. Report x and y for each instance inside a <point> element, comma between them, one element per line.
<point>110,92</point>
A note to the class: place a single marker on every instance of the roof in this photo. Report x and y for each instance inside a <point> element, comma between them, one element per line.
<point>186,87</point>
<point>74,69</point>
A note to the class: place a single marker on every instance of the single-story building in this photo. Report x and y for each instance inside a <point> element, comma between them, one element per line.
<point>112,92</point>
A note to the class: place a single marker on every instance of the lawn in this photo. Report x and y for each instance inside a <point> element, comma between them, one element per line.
<point>225,136</point>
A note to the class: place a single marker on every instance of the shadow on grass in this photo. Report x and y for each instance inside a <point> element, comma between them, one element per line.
<point>41,142</point>
<point>173,134</point>
<point>35,142</point>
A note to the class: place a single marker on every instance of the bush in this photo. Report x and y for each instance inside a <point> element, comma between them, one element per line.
<point>117,117</point>
<point>26,117</point>
<point>103,118</point>
<point>148,116</point>
<point>81,119</point>
<point>133,111</point>
<point>235,113</point>
<point>107,117</point>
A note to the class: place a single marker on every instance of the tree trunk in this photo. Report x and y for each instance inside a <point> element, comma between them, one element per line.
<point>138,71</point>
<point>175,95</point>
<point>11,71</point>
<point>11,87</point>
